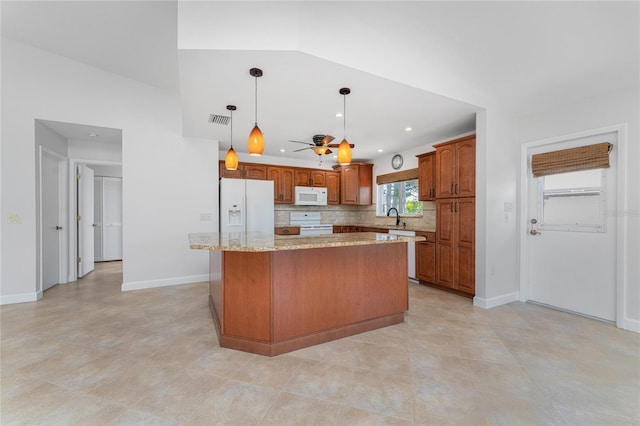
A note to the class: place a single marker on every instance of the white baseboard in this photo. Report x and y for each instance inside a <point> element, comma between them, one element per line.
<point>20,298</point>
<point>496,301</point>
<point>631,325</point>
<point>140,285</point>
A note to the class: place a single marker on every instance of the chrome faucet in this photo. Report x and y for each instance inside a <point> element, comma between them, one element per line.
<point>397,215</point>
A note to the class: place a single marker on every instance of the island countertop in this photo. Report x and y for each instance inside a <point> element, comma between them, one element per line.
<point>259,241</point>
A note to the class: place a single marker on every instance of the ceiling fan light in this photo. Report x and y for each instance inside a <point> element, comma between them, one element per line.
<point>231,160</point>
<point>256,141</point>
<point>320,150</point>
<point>344,153</point>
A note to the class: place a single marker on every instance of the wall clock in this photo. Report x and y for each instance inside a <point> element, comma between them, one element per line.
<point>396,161</point>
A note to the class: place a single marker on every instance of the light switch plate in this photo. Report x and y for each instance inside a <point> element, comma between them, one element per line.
<point>14,219</point>
<point>508,206</point>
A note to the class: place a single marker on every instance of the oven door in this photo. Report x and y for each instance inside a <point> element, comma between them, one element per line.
<point>316,229</point>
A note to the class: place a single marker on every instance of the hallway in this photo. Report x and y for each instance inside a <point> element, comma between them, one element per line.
<point>90,354</point>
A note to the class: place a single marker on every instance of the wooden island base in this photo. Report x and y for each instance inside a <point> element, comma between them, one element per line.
<point>274,302</point>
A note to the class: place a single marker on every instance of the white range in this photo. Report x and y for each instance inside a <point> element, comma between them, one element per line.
<point>309,223</point>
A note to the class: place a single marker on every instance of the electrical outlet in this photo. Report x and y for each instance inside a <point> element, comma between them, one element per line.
<point>14,219</point>
<point>508,207</point>
<point>205,217</point>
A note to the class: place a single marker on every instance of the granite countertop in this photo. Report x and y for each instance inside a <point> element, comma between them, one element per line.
<point>259,241</point>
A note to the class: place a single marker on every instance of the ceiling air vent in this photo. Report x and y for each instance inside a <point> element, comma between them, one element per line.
<point>218,119</point>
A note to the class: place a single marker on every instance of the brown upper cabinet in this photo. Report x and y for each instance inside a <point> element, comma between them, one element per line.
<point>332,179</point>
<point>310,177</point>
<point>244,171</point>
<point>427,176</point>
<point>355,183</point>
<point>283,183</point>
<point>455,168</point>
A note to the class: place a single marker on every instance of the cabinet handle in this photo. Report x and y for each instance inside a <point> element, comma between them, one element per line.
<point>451,207</point>
<point>451,189</point>
<point>456,188</point>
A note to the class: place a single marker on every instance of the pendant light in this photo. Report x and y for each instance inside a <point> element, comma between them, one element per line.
<point>344,150</point>
<point>256,140</point>
<point>231,160</point>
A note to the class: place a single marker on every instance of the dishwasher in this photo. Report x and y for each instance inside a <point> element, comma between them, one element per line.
<point>411,251</point>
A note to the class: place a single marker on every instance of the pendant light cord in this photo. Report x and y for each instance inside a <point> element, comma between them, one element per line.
<point>231,129</point>
<point>256,100</point>
<point>344,117</point>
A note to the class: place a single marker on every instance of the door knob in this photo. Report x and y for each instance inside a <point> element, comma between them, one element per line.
<point>58,227</point>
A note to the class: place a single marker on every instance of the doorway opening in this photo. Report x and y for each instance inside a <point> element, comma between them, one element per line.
<point>98,152</point>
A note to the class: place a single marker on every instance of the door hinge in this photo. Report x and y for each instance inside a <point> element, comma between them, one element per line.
<point>78,218</point>
<point>79,259</point>
<point>78,176</point>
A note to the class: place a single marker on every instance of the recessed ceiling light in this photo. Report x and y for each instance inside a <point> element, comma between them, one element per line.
<point>381,150</point>
<point>407,129</point>
<point>93,135</point>
<point>281,149</point>
<point>338,114</point>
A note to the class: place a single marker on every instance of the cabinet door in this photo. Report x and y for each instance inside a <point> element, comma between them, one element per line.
<point>287,184</point>
<point>255,171</point>
<point>426,261</point>
<point>445,219</point>
<point>318,178</point>
<point>303,177</point>
<point>333,187</point>
<point>445,171</point>
<point>464,255</point>
<point>349,185</point>
<point>426,177</point>
<point>233,174</point>
<point>275,174</point>
<point>465,181</point>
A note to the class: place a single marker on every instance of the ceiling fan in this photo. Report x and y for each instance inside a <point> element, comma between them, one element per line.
<point>320,144</point>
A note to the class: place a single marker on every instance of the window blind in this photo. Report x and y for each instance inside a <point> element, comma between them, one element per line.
<point>397,176</point>
<point>571,160</point>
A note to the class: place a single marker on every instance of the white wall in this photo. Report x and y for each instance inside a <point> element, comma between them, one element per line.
<point>95,150</point>
<point>169,179</point>
<point>610,109</point>
<point>106,171</point>
<point>496,230</point>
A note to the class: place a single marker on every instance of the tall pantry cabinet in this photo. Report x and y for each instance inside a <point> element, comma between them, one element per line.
<point>455,214</point>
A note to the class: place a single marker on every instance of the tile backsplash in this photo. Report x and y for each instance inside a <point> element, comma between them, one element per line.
<point>359,215</point>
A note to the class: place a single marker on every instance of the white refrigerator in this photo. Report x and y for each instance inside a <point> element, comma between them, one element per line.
<point>246,205</point>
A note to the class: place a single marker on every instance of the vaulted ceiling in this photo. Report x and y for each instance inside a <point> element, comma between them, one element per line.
<point>427,65</point>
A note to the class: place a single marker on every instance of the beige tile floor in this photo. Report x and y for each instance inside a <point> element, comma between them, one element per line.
<point>89,354</point>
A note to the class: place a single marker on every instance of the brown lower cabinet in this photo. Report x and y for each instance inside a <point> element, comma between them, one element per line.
<point>455,244</point>
<point>426,258</point>
<point>287,230</point>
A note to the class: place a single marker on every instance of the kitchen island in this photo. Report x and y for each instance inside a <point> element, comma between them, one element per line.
<point>271,294</point>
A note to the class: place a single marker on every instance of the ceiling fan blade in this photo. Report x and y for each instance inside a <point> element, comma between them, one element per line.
<point>327,139</point>
<point>337,145</point>
<point>327,152</point>
<point>301,149</point>
<point>306,143</point>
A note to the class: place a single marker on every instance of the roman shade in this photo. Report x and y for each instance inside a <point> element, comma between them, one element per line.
<point>397,176</point>
<point>571,160</point>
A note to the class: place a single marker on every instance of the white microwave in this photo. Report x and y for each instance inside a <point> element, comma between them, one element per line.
<point>310,196</point>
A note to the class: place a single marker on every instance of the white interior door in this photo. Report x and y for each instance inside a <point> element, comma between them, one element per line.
<point>572,246</point>
<point>97,219</point>
<point>112,218</point>
<point>51,221</point>
<point>85,220</point>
